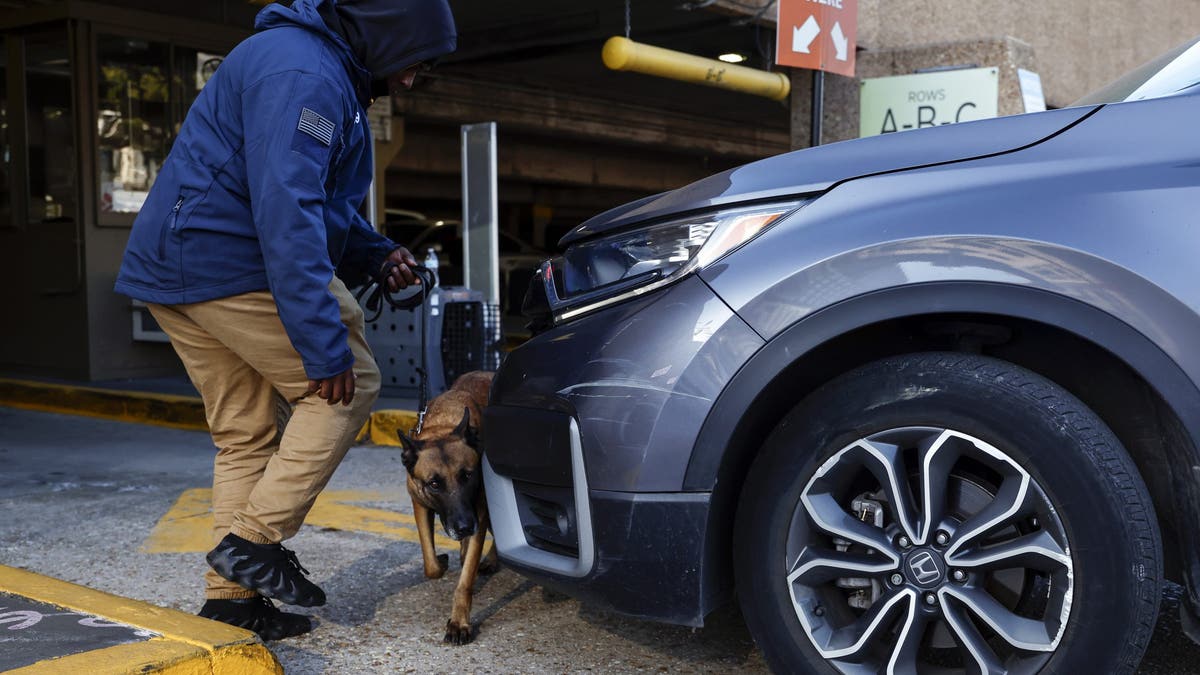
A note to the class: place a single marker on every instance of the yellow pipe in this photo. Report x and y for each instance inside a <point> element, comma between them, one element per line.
<point>625,54</point>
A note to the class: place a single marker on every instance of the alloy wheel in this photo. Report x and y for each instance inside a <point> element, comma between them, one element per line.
<point>923,549</point>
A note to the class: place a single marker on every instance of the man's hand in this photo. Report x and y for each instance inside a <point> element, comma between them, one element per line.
<point>336,389</point>
<point>402,275</point>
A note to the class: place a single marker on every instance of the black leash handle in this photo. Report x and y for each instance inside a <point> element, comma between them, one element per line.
<point>377,292</point>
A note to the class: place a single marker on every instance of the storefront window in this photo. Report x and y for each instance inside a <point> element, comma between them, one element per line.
<point>134,119</point>
<point>145,89</point>
<point>50,130</point>
<point>193,69</point>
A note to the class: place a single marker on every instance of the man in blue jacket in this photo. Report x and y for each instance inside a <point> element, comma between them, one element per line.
<point>244,250</point>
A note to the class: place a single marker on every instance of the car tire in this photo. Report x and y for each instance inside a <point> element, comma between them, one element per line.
<point>1037,548</point>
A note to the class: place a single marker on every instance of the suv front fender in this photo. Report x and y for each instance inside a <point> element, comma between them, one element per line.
<point>777,377</point>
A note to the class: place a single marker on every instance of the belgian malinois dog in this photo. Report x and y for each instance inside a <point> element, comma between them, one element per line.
<point>443,462</point>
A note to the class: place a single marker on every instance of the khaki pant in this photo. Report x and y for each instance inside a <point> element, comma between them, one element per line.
<point>240,358</point>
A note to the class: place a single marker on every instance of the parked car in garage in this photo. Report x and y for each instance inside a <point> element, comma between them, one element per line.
<point>404,225</point>
<point>930,401</point>
<point>518,262</point>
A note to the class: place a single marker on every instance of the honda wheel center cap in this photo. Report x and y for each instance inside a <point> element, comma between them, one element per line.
<point>925,567</point>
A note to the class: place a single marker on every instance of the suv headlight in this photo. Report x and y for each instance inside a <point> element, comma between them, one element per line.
<point>610,269</point>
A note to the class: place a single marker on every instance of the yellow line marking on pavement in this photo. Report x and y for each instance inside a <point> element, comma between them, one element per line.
<point>189,644</point>
<point>338,512</point>
<point>187,526</point>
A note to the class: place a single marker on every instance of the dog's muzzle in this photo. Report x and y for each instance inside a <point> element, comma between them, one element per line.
<point>460,529</point>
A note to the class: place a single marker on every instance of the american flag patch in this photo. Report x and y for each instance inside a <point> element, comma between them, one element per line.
<point>316,126</point>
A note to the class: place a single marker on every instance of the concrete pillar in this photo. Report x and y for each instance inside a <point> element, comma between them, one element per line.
<point>385,152</point>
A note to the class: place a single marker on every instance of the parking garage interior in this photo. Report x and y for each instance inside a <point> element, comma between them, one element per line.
<point>92,93</point>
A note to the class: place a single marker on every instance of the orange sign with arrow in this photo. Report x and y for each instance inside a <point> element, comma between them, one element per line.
<point>817,34</point>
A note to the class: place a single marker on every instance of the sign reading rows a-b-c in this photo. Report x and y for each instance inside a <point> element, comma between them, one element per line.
<point>903,102</point>
<point>817,34</point>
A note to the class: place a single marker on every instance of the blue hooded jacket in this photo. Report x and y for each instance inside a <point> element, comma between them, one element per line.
<point>262,187</point>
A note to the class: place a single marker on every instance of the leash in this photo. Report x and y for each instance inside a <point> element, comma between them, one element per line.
<point>377,293</point>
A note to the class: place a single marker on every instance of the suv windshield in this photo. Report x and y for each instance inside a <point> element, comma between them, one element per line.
<point>1172,73</point>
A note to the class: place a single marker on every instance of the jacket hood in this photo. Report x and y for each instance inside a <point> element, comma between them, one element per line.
<point>388,36</point>
<point>380,37</point>
<point>307,14</point>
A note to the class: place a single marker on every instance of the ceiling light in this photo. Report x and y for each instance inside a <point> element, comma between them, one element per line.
<point>732,57</point>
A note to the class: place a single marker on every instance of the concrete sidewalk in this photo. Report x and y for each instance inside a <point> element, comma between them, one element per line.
<point>57,627</point>
<point>169,402</point>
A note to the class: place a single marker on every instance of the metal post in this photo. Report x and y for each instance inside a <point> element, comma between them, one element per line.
<point>372,197</point>
<point>818,96</point>
<point>481,220</point>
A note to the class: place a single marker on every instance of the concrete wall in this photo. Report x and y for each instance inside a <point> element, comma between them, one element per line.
<point>1080,44</point>
<point>1076,46</point>
<point>112,352</point>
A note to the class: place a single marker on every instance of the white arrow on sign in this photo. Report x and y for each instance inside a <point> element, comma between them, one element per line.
<point>802,36</point>
<point>840,43</point>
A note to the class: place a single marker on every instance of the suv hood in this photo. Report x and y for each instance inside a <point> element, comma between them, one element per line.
<point>817,169</point>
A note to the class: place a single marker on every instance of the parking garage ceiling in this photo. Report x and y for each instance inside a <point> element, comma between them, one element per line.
<point>549,43</point>
<point>555,46</point>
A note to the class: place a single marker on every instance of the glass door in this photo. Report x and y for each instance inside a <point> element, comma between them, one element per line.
<point>133,119</point>
<point>144,89</point>
<point>7,180</point>
<point>49,130</point>
<point>41,247</point>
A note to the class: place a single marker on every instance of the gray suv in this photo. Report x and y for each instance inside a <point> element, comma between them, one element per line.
<point>929,401</point>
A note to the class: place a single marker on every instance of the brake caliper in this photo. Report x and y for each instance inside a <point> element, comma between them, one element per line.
<point>864,591</point>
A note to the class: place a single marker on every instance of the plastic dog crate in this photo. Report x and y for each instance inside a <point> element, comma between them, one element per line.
<point>463,335</point>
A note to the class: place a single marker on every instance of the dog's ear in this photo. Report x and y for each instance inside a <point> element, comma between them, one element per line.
<point>464,429</point>
<point>411,449</point>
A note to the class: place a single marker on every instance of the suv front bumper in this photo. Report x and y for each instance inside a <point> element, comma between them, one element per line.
<point>633,553</point>
<point>588,438</point>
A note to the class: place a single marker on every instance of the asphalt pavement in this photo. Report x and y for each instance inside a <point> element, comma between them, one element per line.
<point>119,507</point>
<point>85,500</point>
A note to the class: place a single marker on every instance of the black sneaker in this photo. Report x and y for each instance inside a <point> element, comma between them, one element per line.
<point>268,569</point>
<point>259,615</point>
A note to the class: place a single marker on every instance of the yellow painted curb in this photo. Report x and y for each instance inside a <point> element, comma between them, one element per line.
<point>386,423</point>
<point>179,412</point>
<point>189,644</point>
<point>166,410</point>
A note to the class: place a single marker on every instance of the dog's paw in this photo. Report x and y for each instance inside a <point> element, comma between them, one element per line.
<point>457,634</point>
<point>443,563</point>
<point>489,565</point>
